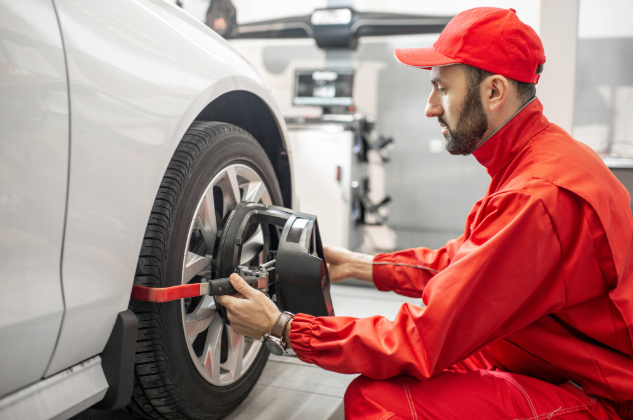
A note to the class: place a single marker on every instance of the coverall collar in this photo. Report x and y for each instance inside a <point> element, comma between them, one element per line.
<point>508,140</point>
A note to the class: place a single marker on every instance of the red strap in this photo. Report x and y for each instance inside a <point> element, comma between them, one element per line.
<point>165,294</point>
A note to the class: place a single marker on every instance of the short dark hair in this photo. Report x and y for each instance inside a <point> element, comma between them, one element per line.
<point>526,91</point>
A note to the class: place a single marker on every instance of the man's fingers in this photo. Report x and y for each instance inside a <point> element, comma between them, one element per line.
<point>242,287</point>
<point>227,301</point>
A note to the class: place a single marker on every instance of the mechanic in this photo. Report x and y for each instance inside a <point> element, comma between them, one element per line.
<point>529,314</point>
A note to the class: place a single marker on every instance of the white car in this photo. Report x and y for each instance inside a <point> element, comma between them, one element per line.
<point>127,129</point>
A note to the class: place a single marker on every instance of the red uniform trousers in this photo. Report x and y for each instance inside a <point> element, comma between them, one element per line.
<point>472,389</point>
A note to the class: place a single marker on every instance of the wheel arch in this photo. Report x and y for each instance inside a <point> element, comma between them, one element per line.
<point>249,112</point>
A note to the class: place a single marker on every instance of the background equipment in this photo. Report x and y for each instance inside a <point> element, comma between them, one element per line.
<point>331,27</point>
<point>331,155</point>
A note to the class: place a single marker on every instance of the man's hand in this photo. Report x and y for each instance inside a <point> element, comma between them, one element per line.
<point>253,315</point>
<point>344,264</point>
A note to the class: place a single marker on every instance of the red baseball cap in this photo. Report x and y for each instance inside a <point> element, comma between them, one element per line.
<point>488,38</point>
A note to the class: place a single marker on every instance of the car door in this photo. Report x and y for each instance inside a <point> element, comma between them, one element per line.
<point>34,151</point>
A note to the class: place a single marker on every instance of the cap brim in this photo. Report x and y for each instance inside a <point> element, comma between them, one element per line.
<point>423,58</point>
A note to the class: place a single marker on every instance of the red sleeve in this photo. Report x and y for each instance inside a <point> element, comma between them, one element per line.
<point>407,272</point>
<point>504,276</point>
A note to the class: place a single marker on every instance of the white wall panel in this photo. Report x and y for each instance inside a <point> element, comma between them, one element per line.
<point>556,88</point>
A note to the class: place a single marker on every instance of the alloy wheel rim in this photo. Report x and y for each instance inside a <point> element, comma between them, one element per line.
<point>220,355</point>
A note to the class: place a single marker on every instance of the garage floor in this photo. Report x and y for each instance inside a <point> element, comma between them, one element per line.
<point>290,389</point>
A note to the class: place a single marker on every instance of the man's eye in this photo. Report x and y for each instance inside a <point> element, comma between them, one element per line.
<point>441,90</point>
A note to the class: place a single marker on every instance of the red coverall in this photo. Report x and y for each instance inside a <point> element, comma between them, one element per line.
<point>536,293</point>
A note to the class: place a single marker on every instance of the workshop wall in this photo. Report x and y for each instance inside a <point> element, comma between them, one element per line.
<point>603,111</point>
<point>603,114</point>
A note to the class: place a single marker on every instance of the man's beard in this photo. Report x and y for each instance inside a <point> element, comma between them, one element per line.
<point>471,125</point>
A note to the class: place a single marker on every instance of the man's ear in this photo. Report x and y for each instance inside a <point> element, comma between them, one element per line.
<point>496,91</point>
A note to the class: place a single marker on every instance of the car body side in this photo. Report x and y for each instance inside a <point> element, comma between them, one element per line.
<point>139,73</point>
<point>34,144</point>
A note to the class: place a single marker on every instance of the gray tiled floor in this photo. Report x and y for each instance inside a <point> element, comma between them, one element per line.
<point>293,390</point>
<point>362,302</point>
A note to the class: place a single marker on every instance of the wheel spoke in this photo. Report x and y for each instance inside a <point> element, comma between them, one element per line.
<point>194,264</point>
<point>206,221</point>
<point>254,191</point>
<point>213,349</point>
<point>207,234</point>
<point>233,187</point>
<point>199,320</point>
<point>252,246</point>
<point>236,353</point>
<point>206,212</point>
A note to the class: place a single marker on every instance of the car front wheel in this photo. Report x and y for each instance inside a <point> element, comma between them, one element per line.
<point>189,363</point>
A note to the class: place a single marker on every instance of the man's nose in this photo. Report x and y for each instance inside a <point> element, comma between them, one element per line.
<point>433,108</point>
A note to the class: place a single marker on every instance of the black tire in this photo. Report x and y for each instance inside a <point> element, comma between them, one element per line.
<point>167,384</point>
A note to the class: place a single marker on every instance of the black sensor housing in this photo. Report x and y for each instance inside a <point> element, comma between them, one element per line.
<point>300,282</point>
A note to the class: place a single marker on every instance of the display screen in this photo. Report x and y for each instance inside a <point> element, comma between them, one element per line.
<point>323,87</point>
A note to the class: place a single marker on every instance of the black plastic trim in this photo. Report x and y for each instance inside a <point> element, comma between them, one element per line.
<point>117,361</point>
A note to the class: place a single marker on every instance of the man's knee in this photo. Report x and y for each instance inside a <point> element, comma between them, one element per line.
<point>365,390</point>
<point>367,398</point>
<point>355,391</point>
